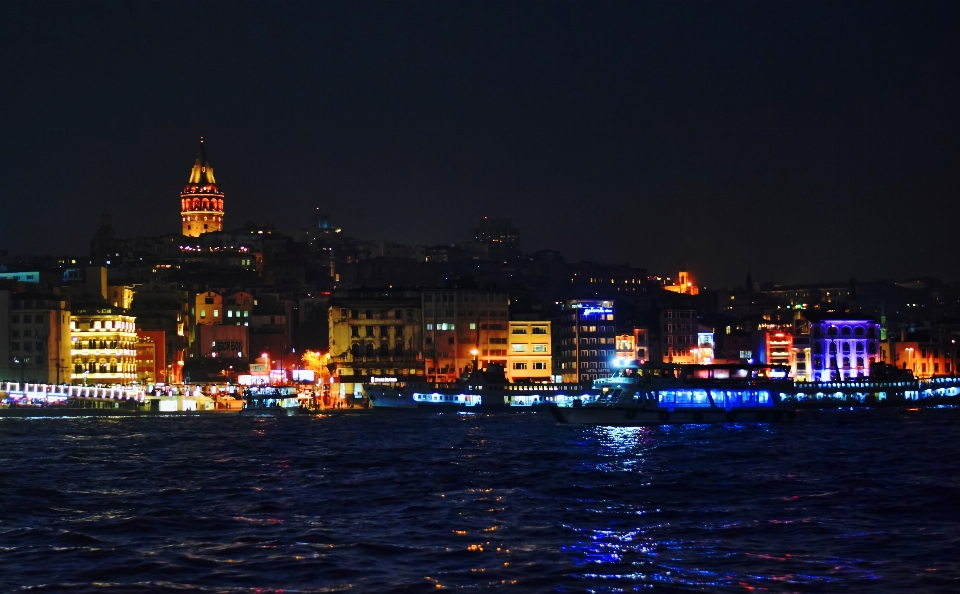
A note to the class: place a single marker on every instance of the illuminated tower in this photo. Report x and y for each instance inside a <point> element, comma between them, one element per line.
<point>201,202</point>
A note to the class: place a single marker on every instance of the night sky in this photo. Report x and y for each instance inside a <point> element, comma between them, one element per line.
<point>800,141</point>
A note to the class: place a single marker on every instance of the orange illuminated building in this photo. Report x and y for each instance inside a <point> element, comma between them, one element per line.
<point>151,356</point>
<point>685,284</point>
<point>201,202</point>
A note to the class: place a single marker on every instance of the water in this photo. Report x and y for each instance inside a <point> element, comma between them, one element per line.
<point>857,501</point>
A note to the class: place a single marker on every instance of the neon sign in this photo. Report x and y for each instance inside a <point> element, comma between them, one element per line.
<point>597,310</point>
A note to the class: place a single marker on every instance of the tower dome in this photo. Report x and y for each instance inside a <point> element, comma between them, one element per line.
<point>201,201</point>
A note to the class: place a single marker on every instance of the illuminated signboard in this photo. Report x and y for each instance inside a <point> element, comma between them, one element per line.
<point>383,380</point>
<point>597,310</point>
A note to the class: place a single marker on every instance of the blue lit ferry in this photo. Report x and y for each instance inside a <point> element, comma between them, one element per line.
<point>486,390</point>
<point>661,394</point>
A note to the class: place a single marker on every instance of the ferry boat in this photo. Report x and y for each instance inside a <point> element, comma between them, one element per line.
<point>486,390</point>
<point>660,394</point>
<point>272,401</point>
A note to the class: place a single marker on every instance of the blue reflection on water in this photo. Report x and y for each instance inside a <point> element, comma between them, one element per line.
<point>677,508</point>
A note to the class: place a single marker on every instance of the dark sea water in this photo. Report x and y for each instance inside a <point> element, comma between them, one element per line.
<point>854,502</point>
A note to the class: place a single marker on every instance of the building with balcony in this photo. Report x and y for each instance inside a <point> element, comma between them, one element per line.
<point>375,335</point>
<point>529,356</point>
<point>104,345</point>
<point>843,347</point>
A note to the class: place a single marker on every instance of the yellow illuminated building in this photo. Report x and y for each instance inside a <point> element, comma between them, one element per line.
<point>201,202</point>
<point>208,308</point>
<point>528,354</point>
<point>104,349</point>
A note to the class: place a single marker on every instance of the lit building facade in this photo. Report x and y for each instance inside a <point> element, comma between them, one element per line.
<point>587,340</point>
<point>679,335</point>
<point>529,357</point>
<point>201,201</point>
<point>843,348</point>
<point>209,308</point>
<point>927,359</point>
<point>375,336</point>
<point>104,345</point>
<point>685,284</point>
<point>39,339</point>
<point>459,322</point>
<point>151,356</point>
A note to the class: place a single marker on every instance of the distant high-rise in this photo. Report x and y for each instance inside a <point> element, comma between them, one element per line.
<point>201,202</point>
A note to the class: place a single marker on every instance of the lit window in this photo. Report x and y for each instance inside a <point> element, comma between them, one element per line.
<point>519,348</point>
<point>216,313</point>
<point>539,348</point>
<point>229,313</point>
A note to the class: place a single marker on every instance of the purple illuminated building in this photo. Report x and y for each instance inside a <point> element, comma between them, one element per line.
<point>843,347</point>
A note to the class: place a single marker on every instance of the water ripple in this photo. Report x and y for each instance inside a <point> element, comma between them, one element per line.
<point>383,503</point>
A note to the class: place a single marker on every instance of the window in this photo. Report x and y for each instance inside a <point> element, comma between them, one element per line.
<point>519,348</point>
<point>473,325</point>
<point>384,331</point>
<point>451,340</point>
<point>216,313</point>
<point>539,348</point>
<point>519,330</point>
<point>354,330</point>
<point>229,313</point>
<point>39,319</point>
<point>519,365</point>
<point>539,365</point>
<point>496,340</point>
<point>203,314</point>
<point>398,330</point>
<point>369,331</point>
<point>540,330</point>
<point>39,346</point>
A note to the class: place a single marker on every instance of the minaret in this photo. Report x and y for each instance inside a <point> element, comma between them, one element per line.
<point>201,203</point>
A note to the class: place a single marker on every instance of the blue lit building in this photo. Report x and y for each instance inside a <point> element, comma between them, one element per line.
<point>587,340</point>
<point>842,347</point>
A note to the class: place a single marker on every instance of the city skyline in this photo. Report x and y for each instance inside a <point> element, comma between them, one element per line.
<point>819,153</point>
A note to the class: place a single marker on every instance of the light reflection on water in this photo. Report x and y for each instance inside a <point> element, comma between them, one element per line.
<point>678,527</point>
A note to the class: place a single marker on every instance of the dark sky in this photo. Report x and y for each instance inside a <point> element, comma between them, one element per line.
<point>797,140</point>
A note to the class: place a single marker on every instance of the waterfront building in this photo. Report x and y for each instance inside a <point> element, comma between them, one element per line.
<point>927,353</point>
<point>843,346</point>
<point>459,322</point>
<point>201,201</point>
<point>36,330</point>
<point>587,339</point>
<point>104,345</point>
<point>529,357</point>
<point>151,356</point>
<point>166,308</point>
<point>375,336</point>
<point>679,335</point>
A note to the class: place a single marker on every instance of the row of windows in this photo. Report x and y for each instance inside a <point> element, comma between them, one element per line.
<point>539,365</point>
<point>595,341</point>
<point>523,330</point>
<point>355,314</point>
<point>27,318</point>
<point>596,328</point>
<point>27,347</point>
<point>29,334</point>
<point>593,365</point>
<point>600,353</point>
<point>105,325</point>
<point>370,350</point>
<point>522,348</point>
<point>384,330</point>
<point>845,362</point>
<point>846,331</point>
<point>871,348</point>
